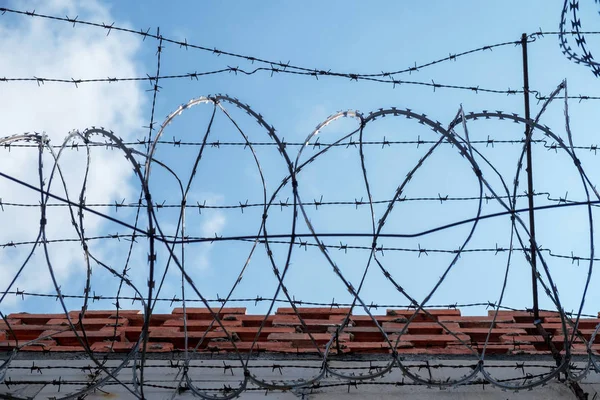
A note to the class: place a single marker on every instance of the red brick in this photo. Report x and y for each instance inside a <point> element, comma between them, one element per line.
<point>314,312</point>
<point>557,329</point>
<point>408,314</point>
<point>91,323</point>
<point>362,333</point>
<point>432,340</point>
<point>365,333</point>
<point>36,347</point>
<point>373,347</point>
<point>582,346</point>
<point>437,351</point>
<point>11,322</point>
<point>365,320</point>
<point>519,313</point>
<point>306,350</point>
<point>476,321</point>
<point>421,328</point>
<point>30,332</point>
<point>365,347</point>
<point>69,338</point>
<point>132,333</point>
<point>304,339</point>
<point>522,316</point>
<point>112,347</point>
<point>530,338</point>
<point>293,318</point>
<point>552,328</point>
<point>103,313</point>
<point>178,338</point>
<point>514,332</point>
<point>74,349</point>
<point>155,319</point>
<point>160,347</point>
<point>529,327</point>
<point>584,323</point>
<point>232,317</point>
<point>255,320</point>
<point>50,333</point>
<point>200,324</point>
<point>34,319</point>
<point>204,313</point>
<point>481,334</point>
<point>388,327</point>
<point>595,346</point>
<point>313,325</point>
<point>579,351</point>
<point>249,333</point>
<point>435,312</point>
<point>536,340</point>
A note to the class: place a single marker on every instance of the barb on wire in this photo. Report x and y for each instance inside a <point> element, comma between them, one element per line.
<point>585,57</point>
<point>194,75</point>
<point>220,144</point>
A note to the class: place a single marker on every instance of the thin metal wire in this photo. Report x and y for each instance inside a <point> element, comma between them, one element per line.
<point>461,144</point>
<point>456,133</point>
<point>270,65</point>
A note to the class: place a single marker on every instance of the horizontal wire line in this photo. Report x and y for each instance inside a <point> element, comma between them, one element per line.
<point>271,63</point>
<point>259,299</point>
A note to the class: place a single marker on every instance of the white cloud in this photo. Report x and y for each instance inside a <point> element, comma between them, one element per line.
<point>213,225</point>
<point>38,47</point>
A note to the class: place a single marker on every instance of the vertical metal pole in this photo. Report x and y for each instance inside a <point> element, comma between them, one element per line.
<point>528,132</point>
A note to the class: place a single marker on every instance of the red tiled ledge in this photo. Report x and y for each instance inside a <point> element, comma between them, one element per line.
<point>437,331</point>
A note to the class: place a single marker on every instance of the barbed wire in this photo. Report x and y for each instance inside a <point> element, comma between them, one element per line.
<point>154,236</point>
<point>421,251</point>
<point>236,70</point>
<point>147,208</point>
<point>490,142</point>
<point>283,204</point>
<point>585,57</point>
<point>351,143</point>
<point>22,294</point>
<point>308,389</point>
<point>227,367</point>
<point>273,66</point>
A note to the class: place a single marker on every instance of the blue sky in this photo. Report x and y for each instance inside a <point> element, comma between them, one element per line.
<point>338,36</point>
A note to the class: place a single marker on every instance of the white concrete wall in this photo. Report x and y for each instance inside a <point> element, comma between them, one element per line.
<point>161,379</point>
